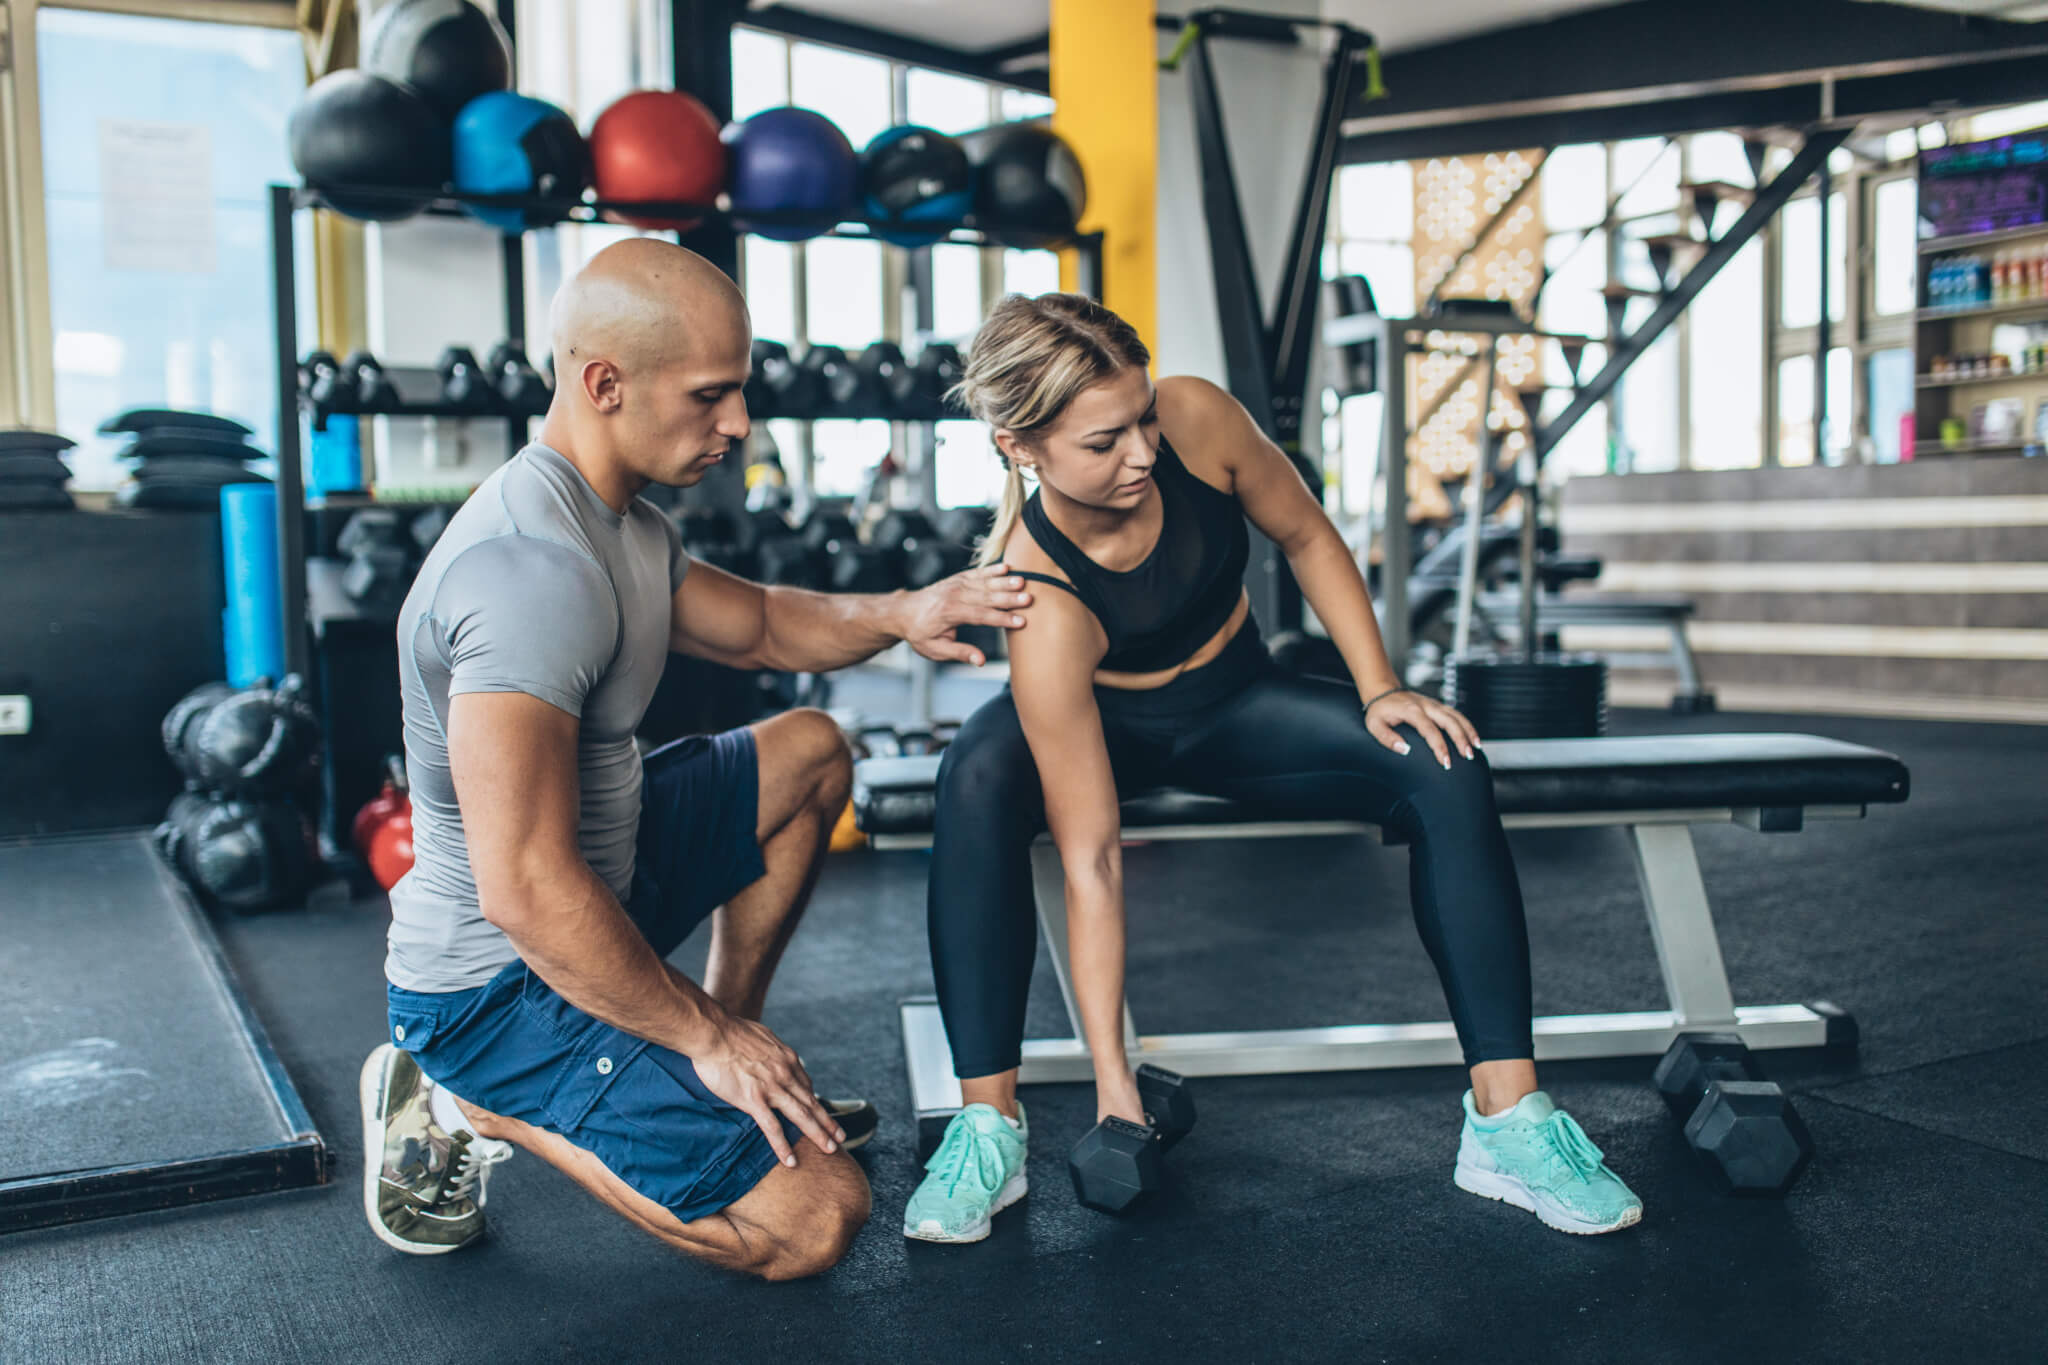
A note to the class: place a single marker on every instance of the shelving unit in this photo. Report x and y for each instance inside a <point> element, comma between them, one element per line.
<point>1928,381</point>
<point>1977,200</point>
<point>2009,311</point>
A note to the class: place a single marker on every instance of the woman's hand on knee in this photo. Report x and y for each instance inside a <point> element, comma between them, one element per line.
<point>1440,727</point>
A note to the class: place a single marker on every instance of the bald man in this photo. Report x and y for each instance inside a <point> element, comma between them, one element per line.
<point>530,1003</point>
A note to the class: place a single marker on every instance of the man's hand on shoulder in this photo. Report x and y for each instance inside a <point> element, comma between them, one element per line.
<point>987,596</point>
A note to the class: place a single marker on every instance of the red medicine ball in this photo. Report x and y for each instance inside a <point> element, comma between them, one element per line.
<point>657,146</point>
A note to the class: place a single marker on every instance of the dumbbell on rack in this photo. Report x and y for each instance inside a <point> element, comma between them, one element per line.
<point>521,387</point>
<point>887,380</point>
<point>1118,1164</point>
<point>1742,1127</point>
<point>839,385</point>
<point>464,384</point>
<point>379,552</point>
<point>936,370</point>
<point>713,537</point>
<point>778,386</point>
<point>840,562</point>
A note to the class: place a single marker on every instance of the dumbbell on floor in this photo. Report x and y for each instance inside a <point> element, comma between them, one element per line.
<point>1742,1127</point>
<point>1118,1164</point>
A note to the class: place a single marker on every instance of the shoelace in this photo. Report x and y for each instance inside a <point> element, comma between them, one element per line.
<point>952,1162</point>
<point>470,1162</point>
<point>1568,1144</point>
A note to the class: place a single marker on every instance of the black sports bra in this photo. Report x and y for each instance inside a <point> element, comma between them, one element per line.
<point>1158,614</point>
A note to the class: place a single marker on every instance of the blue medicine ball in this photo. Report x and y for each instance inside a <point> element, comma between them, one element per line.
<point>790,160</point>
<point>913,174</point>
<point>514,144</point>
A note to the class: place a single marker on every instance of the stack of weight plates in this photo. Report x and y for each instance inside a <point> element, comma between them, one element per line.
<point>1511,696</point>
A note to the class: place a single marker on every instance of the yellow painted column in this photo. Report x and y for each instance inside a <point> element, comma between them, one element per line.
<point>1105,88</point>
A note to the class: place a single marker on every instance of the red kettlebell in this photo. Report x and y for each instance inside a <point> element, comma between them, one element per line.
<point>386,803</point>
<point>390,854</point>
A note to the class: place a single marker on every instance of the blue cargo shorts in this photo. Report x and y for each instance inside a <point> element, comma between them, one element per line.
<point>516,1048</point>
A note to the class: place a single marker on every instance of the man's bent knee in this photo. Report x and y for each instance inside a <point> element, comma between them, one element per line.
<point>831,757</point>
<point>822,1241</point>
<point>801,1222</point>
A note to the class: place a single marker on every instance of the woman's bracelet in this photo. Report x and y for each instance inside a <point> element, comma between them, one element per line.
<point>1383,696</point>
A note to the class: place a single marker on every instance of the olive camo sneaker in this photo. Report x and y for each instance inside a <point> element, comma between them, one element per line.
<point>977,1172</point>
<point>1536,1157</point>
<point>423,1187</point>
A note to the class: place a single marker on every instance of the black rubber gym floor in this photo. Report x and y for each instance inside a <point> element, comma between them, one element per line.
<point>1314,1218</point>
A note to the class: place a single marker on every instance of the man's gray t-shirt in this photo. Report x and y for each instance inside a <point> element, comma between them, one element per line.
<point>536,587</point>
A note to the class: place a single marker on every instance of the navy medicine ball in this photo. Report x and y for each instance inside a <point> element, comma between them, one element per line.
<point>790,160</point>
<point>448,50</point>
<point>1028,189</point>
<point>915,175</point>
<point>354,129</point>
<point>515,144</point>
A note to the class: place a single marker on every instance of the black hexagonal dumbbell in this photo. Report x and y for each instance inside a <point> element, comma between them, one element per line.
<point>1117,1164</point>
<point>1742,1127</point>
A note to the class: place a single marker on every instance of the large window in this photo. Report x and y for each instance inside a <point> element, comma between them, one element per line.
<point>584,77</point>
<point>848,293</point>
<point>1740,378</point>
<point>159,138</point>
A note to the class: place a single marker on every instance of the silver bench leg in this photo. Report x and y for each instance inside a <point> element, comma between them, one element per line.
<point>1683,662</point>
<point>1688,950</point>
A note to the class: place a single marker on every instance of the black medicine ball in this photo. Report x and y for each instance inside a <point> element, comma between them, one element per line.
<point>1028,188</point>
<point>355,129</point>
<point>448,50</point>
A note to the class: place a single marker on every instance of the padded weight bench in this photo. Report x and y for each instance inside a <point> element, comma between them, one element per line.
<point>1653,787</point>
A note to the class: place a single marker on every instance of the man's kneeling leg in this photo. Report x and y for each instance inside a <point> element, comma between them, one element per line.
<point>796,1222</point>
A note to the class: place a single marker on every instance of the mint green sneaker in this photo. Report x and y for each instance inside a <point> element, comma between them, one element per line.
<point>1536,1157</point>
<point>977,1172</point>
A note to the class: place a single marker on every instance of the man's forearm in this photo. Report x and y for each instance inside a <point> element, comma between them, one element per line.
<point>571,930</point>
<point>816,632</point>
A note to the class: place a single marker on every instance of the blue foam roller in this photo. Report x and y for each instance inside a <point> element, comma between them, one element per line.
<point>250,625</point>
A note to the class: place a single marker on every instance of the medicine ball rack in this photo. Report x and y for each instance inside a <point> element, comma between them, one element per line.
<point>286,201</point>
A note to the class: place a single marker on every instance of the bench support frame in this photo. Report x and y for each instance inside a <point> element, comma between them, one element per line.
<point>1681,925</point>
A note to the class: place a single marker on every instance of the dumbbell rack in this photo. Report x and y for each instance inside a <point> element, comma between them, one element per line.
<point>286,201</point>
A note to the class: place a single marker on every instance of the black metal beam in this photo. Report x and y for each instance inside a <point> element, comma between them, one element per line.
<point>1291,339</point>
<point>1242,318</point>
<point>1651,67</point>
<point>1038,45</point>
<point>700,62</point>
<point>1625,352</point>
<point>291,485</point>
<point>984,65</point>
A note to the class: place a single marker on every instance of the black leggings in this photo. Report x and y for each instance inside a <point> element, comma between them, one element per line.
<point>1296,746</point>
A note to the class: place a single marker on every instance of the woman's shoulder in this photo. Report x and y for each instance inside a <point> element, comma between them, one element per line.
<point>1196,417</point>
<point>1023,552</point>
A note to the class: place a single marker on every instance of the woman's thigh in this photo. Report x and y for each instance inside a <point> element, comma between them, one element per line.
<point>1300,746</point>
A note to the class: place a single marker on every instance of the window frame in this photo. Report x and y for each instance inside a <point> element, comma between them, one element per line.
<point>28,377</point>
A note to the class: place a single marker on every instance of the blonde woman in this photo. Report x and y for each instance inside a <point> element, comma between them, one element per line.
<point>1140,665</point>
